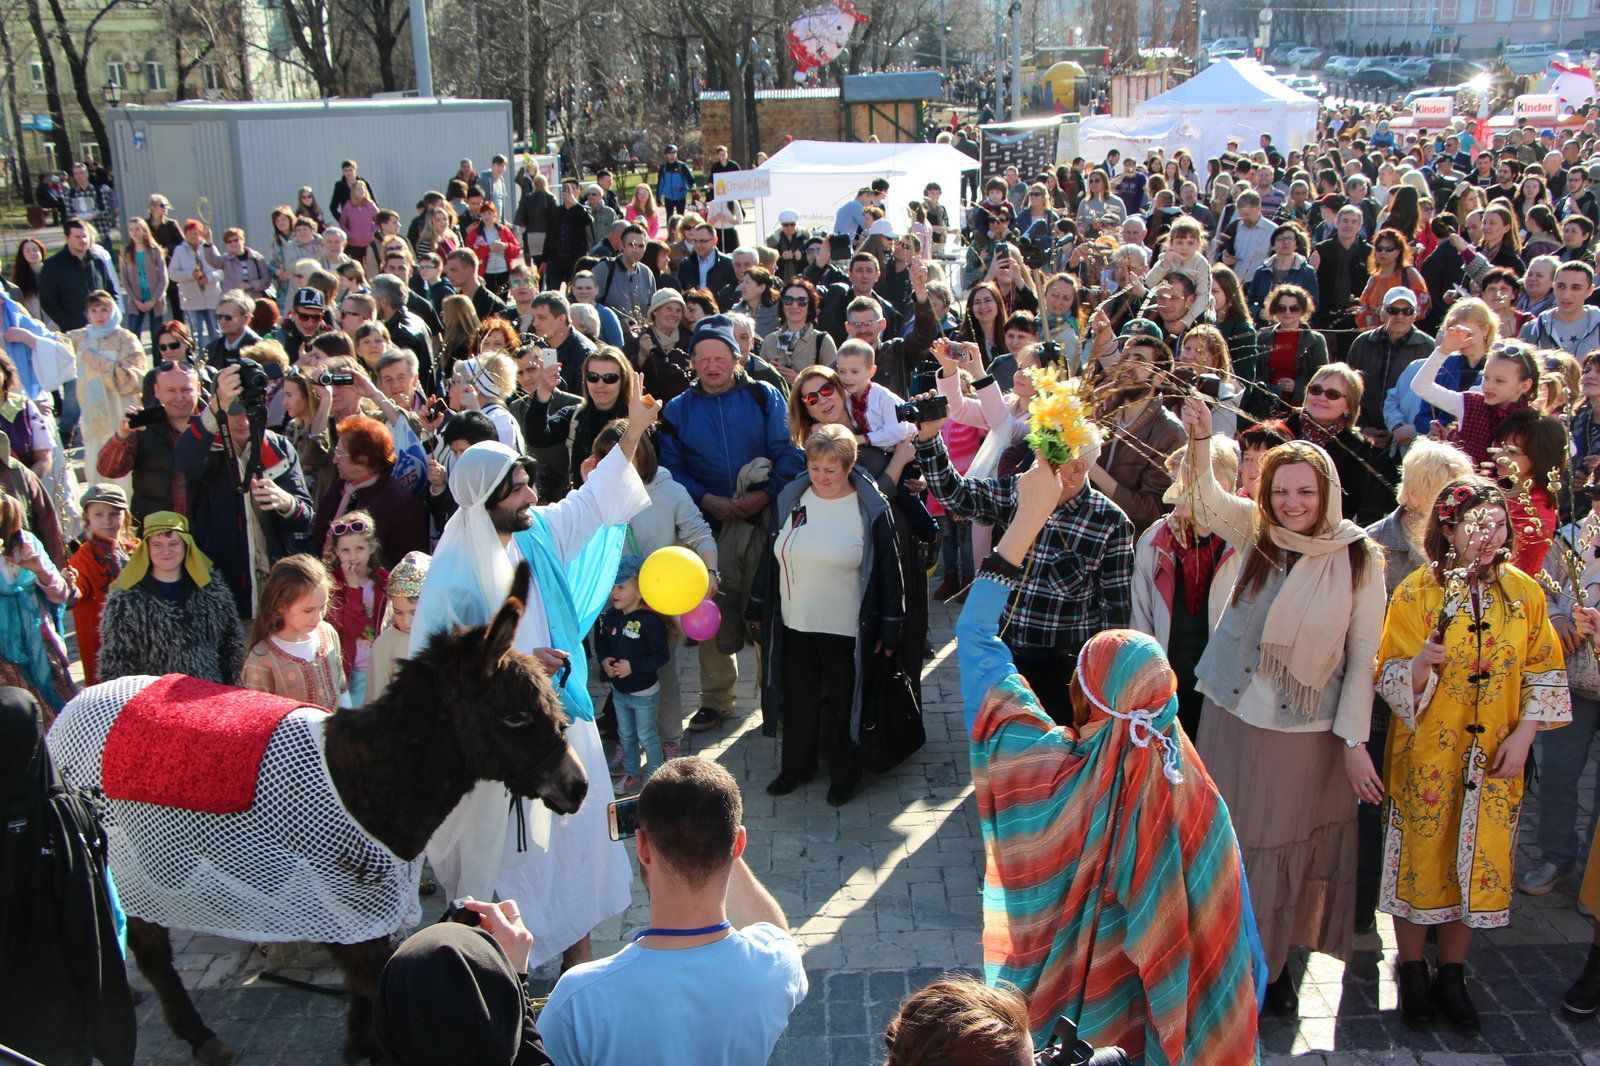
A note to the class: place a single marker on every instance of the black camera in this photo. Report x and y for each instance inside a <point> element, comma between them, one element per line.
<point>153,415</point>
<point>1049,354</point>
<point>253,379</point>
<point>925,410</point>
<point>1207,384</point>
<point>1063,1048</point>
<point>336,377</point>
<point>458,913</point>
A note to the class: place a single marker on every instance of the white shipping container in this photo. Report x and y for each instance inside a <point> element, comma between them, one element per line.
<point>248,157</point>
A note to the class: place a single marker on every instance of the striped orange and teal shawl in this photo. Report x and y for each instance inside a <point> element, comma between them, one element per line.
<point>1111,894</point>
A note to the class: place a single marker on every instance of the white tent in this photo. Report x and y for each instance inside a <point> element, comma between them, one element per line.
<point>1236,98</point>
<point>1136,135</point>
<point>814,178</point>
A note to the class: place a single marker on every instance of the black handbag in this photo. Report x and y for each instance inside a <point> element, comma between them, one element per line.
<point>891,721</point>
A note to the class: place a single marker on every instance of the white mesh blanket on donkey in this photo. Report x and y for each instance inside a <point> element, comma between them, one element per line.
<point>287,862</point>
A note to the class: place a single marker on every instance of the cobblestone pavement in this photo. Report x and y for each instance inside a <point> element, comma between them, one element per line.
<point>883,894</point>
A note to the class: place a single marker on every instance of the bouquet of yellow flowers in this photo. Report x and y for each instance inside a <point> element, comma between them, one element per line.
<point>1060,420</point>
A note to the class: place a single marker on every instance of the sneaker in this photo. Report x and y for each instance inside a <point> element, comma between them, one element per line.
<point>669,750</point>
<point>705,718</point>
<point>1583,998</point>
<point>1542,878</point>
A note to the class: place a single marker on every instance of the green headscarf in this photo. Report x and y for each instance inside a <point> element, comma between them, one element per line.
<point>195,562</point>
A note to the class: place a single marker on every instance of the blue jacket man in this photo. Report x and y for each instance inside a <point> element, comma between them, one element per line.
<point>710,434</point>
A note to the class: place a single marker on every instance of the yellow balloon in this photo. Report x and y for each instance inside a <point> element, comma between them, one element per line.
<point>673,580</point>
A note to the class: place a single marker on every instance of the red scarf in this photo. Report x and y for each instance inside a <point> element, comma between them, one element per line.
<point>1194,557</point>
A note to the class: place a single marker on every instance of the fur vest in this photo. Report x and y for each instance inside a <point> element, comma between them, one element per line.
<point>143,633</point>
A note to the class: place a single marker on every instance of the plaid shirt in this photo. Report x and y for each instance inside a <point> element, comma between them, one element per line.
<point>1077,578</point>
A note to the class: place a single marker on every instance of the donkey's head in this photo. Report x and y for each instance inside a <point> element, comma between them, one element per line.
<point>506,713</point>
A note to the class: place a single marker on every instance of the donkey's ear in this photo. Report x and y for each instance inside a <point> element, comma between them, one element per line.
<point>520,582</point>
<point>502,631</point>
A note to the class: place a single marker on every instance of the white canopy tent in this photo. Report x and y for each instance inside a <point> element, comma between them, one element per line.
<point>813,178</point>
<point>1236,98</point>
<point>1135,136</point>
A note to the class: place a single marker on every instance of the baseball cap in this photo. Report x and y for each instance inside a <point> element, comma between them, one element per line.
<point>309,299</point>
<point>1142,327</point>
<point>1400,294</point>
<point>106,493</point>
<point>1332,200</point>
<point>882,228</point>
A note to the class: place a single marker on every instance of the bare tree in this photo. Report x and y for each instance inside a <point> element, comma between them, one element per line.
<point>14,120</point>
<point>76,47</point>
<point>52,86</point>
<point>383,24</point>
<point>308,25</point>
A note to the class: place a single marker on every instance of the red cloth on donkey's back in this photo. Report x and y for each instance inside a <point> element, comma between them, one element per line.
<point>192,744</point>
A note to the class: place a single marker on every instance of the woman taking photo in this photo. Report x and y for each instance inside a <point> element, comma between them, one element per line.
<point>827,598</point>
<point>1389,266</point>
<point>1287,352</point>
<point>1203,353</point>
<point>797,342</point>
<point>167,613</point>
<point>1288,693</point>
<point>758,298</point>
<point>1099,205</point>
<point>308,405</point>
<point>607,379</point>
<point>1467,704</point>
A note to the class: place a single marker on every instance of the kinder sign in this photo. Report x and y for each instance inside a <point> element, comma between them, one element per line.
<point>1538,107</point>
<point>1434,110</point>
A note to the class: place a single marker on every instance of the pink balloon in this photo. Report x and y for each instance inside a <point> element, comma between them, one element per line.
<point>703,621</point>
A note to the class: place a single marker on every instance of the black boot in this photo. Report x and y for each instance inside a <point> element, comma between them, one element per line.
<point>1583,998</point>
<point>1450,993</point>
<point>1416,997</point>
<point>1283,998</point>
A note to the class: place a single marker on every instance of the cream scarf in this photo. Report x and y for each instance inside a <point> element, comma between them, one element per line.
<point>1309,618</point>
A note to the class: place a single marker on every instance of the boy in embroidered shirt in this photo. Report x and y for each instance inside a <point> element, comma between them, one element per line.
<point>871,405</point>
<point>631,643</point>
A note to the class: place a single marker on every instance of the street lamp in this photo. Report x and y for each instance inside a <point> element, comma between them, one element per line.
<point>112,92</point>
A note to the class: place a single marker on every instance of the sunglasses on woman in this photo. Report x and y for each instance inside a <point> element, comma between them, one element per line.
<point>1288,309</point>
<point>1318,389</point>
<point>172,346</point>
<point>802,300</point>
<point>595,378</point>
<point>356,525</point>
<point>816,396</point>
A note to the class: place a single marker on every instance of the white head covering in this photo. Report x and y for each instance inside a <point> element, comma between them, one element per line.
<point>471,573</point>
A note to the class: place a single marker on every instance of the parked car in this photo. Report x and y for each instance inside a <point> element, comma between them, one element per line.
<point>1379,78</point>
<point>1526,59</point>
<point>1300,83</point>
<point>1240,43</point>
<point>1452,70</point>
<point>1216,54</point>
<point>1279,52</point>
<point>1307,58</point>
<point>1339,66</point>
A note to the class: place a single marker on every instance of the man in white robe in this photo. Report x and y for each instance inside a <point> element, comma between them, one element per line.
<point>571,875</point>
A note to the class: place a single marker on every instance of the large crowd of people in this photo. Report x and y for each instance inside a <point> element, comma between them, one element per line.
<point>1330,536</point>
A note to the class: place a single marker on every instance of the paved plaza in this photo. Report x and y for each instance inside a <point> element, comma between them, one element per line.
<point>883,895</point>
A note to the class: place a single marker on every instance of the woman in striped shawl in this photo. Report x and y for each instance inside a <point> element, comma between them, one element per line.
<point>1113,892</point>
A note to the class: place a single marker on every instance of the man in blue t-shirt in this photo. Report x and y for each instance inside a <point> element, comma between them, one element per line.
<point>713,979</point>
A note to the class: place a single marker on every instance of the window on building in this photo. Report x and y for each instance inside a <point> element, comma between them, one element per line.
<point>1565,8</point>
<point>155,76</point>
<point>36,75</point>
<point>1521,9</point>
<point>1487,8</point>
<point>117,72</point>
<point>1449,10</point>
<point>211,74</point>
